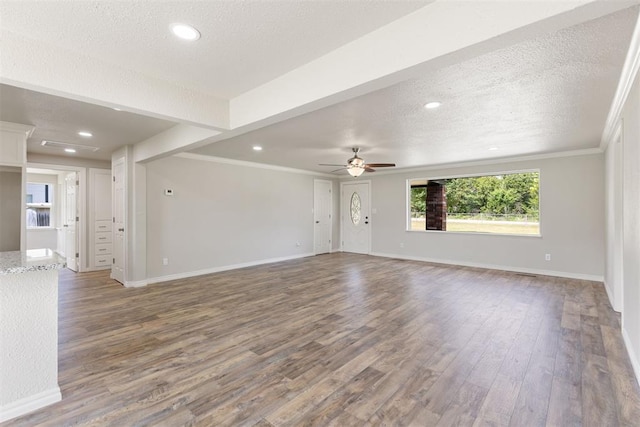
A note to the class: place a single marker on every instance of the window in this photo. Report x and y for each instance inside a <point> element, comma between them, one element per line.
<point>39,198</point>
<point>504,204</point>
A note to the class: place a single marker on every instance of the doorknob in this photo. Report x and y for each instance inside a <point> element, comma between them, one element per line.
<point>317,222</point>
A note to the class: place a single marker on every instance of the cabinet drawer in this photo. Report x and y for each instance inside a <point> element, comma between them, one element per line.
<point>103,237</point>
<point>103,249</point>
<point>102,260</point>
<point>103,226</point>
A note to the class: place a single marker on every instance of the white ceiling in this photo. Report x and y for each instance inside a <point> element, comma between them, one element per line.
<point>243,43</point>
<point>60,119</point>
<point>545,94</point>
<point>548,94</point>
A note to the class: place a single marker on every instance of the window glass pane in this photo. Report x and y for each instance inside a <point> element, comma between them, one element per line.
<point>38,193</point>
<point>504,204</point>
<point>355,208</point>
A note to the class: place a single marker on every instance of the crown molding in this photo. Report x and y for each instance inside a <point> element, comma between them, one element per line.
<point>495,161</point>
<point>627,77</point>
<point>27,130</point>
<point>245,163</point>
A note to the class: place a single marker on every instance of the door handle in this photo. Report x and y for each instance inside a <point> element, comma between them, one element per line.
<point>65,225</point>
<point>317,222</point>
<point>366,222</point>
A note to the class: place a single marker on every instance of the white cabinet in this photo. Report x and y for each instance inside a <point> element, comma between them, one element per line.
<point>100,219</point>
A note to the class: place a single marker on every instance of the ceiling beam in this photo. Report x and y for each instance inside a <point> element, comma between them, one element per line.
<point>174,140</point>
<point>46,68</point>
<point>438,35</point>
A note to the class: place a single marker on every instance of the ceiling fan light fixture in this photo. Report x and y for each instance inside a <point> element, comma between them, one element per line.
<point>355,170</point>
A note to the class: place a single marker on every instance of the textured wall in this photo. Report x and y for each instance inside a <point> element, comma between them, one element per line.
<point>571,221</point>
<point>10,200</point>
<point>222,215</point>
<point>28,335</point>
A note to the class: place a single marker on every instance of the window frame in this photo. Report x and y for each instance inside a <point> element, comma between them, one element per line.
<point>407,203</point>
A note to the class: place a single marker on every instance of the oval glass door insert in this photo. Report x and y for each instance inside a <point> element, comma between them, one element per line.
<point>355,208</point>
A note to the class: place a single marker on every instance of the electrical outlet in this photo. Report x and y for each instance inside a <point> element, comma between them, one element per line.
<point>547,257</point>
<point>165,261</point>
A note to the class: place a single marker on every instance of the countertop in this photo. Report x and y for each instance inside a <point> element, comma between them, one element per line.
<point>17,262</point>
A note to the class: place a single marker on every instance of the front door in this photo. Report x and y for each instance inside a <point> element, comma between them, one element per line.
<point>356,228</point>
<point>322,216</point>
<point>70,220</point>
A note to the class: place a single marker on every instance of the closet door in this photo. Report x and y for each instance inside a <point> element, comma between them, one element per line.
<point>71,219</point>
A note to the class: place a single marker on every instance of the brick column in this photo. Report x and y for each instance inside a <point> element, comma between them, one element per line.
<point>436,206</point>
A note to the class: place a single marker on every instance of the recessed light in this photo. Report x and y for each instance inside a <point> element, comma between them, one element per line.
<point>433,104</point>
<point>70,150</point>
<point>493,148</point>
<point>85,134</point>
<point>257,148</point>
<point>185,32</point>
<point>117,109</point>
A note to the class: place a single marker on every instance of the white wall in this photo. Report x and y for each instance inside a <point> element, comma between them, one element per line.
<point>571,221</point>
<point>631,224</point>
<point>224,215</point>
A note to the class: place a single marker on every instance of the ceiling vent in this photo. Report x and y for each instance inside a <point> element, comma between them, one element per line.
<point>63,145</point>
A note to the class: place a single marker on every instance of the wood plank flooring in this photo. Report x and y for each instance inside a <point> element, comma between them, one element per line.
<point>344,340</point>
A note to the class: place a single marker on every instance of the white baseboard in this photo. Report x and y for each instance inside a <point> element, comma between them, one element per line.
<point>135,283</point>
<point>188,274</point>
<point>554,273</point>
<point>611,300</point>
<point>29,404</point>
<point>635,362</point>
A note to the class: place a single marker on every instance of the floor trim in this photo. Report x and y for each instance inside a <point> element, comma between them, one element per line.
<point>31,403</point>
<point>553,273</point>
<point>188,274</point>
<point>635,362</point>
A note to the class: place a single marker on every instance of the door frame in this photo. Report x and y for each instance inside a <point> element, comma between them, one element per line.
<point>330,214</point>
<point>81,205</point>
<point>342,184</point>
<point>125,219</point>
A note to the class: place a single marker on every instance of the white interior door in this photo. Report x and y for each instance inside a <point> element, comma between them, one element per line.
<point>119,209</point>
<point>71,220</point>
<point>356,228</point>
<point>322,216</point>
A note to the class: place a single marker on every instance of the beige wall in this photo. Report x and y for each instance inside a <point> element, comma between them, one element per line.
<point>10,208</point>
<point>572,221</point>
<point>224,215</point>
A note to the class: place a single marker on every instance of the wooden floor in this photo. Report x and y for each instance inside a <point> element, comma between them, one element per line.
<point>341,340</point>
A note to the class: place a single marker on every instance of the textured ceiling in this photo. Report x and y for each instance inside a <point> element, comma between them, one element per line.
<point>61,119</point>
<point>243,44</point>
<point>548,94</point>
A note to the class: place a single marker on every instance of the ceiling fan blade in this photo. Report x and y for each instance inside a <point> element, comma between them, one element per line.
<point>338,169</point>
<point>327,164</point>
<point>367,168</point>
<point>381,165</point>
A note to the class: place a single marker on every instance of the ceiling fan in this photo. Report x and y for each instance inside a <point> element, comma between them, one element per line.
<point>356,165</point>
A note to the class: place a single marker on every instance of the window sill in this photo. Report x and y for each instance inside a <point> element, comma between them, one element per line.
<point>475,233</point>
